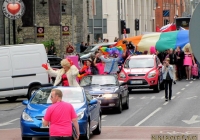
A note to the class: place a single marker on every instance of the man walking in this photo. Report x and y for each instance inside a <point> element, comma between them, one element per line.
<point>60,116</point>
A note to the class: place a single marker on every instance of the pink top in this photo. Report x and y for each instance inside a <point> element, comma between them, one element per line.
<point>187,60</point>
<point>60,116</point>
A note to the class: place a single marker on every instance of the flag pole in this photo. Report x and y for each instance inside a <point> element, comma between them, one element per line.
<point>61,49</point>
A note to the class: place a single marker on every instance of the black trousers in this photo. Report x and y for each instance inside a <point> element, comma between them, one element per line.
<point>168,83</point>
<point>180,71</point>
<point>59,138</point>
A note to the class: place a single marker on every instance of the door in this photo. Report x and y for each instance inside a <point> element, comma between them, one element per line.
<point>93,111</point>
<point>6,86</point>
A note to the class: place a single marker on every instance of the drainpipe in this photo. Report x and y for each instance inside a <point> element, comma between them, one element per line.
<point>72,22</point>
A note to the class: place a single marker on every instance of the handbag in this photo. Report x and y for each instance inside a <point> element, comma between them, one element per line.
<point>74,133</point>
<point>195,70</point>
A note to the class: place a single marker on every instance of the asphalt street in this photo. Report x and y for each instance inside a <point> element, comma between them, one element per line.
<point>148,113</point>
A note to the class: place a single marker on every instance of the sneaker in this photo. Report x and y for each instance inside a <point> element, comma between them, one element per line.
<point>174,82</point>
<point>186,79</point>
<point>166,99</point>
<point>194,79</point>
<point>191,78</point>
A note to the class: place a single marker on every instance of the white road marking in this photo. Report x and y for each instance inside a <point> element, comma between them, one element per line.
<point>173,97</point>
<point>131,116</point>
<point>131,98</point>
<point>9,122</point>
<point>138,124</point>
<point>183,89</point>
<point>178,93</point>
<point>162,97</point>
<point>143,97</point>
<point>165,103</point>
<point>187,85</point>
<point>193,97</point>
<point>153,97</point>
<point>191,81</point>
<point>103,116</point>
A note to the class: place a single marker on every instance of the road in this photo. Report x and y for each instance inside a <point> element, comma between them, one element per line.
<point>148,114</point>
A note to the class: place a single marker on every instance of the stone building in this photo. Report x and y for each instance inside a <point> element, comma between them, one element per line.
<point>74,15</point>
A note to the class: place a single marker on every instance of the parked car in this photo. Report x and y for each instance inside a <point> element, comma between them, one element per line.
<point>54,61</point>
<point>91,49</point>
<point>107,90</point>
<point>142,71</point>
<point>88,111</point>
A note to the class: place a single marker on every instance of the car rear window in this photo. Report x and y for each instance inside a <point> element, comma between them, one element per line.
<point>139,63</point>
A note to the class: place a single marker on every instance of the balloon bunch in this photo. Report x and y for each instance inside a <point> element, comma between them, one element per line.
<point>117,50</point>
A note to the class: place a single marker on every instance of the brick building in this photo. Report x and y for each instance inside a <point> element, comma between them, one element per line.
<point>166,10</point>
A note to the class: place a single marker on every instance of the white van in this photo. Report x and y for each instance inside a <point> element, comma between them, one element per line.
<point>21,71</point>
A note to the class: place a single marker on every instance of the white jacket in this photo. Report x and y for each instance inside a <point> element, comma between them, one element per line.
<point>71,74</point>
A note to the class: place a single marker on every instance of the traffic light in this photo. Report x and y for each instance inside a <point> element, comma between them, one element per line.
<point>123,26</point>
<point>137,24</point>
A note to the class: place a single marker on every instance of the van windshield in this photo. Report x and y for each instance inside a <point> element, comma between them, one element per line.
<point>139,63</point>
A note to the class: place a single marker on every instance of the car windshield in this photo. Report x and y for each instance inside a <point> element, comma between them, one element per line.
<point>139,63</point>
<point>71,95</point>
<point>99,80</point>
<point>89,48</point>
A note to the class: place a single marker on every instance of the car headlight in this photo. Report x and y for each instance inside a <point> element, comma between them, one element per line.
<point>80,114</point>
<point>122,75</point>
<point>109,95</point>
<point>26,117</point>
<point>152,74</point>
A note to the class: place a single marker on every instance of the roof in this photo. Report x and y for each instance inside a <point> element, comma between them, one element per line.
<point>142,56</point>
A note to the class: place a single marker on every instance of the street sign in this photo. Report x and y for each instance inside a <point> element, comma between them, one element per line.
<point>194,33</point>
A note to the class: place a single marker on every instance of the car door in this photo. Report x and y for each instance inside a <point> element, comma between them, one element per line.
<point>6,80</point>
<point>123,92</point>
<point>93,111</point>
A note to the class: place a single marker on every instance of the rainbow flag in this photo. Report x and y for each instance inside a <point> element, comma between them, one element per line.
<point>162,40</point>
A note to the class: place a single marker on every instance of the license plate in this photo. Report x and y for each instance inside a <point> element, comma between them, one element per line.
<point>136,82</point>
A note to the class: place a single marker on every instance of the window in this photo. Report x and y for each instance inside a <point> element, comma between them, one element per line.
<point>139,63</point>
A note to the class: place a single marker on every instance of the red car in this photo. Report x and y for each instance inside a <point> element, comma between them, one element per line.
<point>142,71</point>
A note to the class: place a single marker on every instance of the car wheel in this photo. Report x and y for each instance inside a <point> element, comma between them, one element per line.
<point>87,135</point>
<point>157,87</point>
<point>97,131</point>
<point>32,90</point>
<point>26,138</point>
<point>126,106</point>
<point>119,108</point>
<point>11,99</point>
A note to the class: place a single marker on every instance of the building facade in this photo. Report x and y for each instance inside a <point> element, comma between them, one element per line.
<point>74,16</point>
<point>106,11</point>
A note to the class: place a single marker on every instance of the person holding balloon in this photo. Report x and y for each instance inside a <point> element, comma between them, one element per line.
<point>111,58</point>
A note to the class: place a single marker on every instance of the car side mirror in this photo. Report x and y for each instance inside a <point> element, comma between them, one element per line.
<point>160,65</point>
<point>25,102</point>
<point>93,101</point>
<point>122,83</point>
